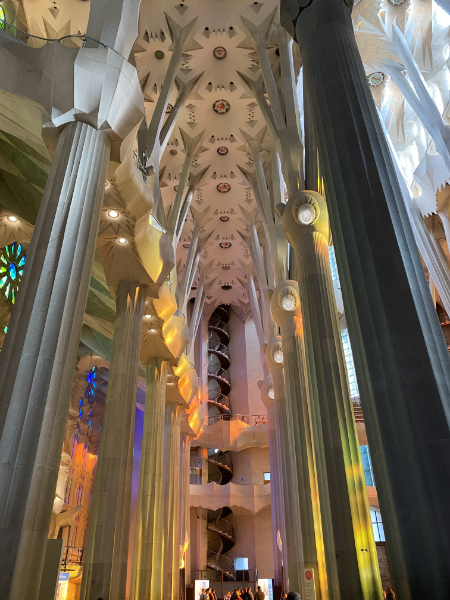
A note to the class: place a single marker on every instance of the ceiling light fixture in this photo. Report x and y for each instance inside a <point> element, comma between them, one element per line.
<point>278,356</point>
<point>113,214</point>
<point>288,303</point>
<point>306,214</point>
<point>147,316</point>
<point>152,330</point>
<point>122,240</point>
<point>12,219</point>
<point>271,393</point>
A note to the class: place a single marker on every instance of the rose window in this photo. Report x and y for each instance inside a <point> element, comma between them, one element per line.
<point>12,261</point>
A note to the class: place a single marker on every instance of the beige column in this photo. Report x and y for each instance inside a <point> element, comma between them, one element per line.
<point>345,512</point>
<point>171,572</point>
<point>280,477</point>
<point>147,564</point>
<point>285,306</point>
<point>105,564</point>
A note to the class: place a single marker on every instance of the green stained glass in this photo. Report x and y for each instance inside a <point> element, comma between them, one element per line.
<point>14,258</point>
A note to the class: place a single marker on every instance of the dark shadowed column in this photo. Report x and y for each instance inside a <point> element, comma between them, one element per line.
<point>401,363</point>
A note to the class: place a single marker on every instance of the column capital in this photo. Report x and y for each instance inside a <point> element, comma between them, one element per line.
<point>285,301</point>
<point>305,212</point>
<point>267,391</point>
<point>273,352</point>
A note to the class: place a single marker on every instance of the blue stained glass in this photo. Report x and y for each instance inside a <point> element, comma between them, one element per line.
<point>90,413</point>
<point>80,403</point>
<point>90,423</point>
<point>89,377</point>
<point>7,250</point>
<point>19,250</point>
<point>22,261</point>
<point>80,414</point>
<point>3,259</point>
<point>21,273</point>
<point>7,290</point>
<point>3,280</point>
<point>6,329</point>
<point>12,271</point>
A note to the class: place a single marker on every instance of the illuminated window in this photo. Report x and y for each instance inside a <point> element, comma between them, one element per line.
<point>266,478</point>
<point>2,17</point>
<point>12,261</point>
<point>377,525</point>
<point>333,265</point>
<point>367,465</point>
<point>353,384</point>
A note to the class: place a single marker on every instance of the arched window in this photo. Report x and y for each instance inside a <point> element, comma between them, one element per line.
<point>377,525</point>
<point>74,444</point>
<point>12,262</point>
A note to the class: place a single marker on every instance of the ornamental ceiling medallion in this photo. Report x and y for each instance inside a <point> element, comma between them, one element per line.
<point>225,245</point>
<point>397,2</point>
<point>186,245</point>
<point>224,218</point>
<point>222,150</point>
<point>226,267</point>
<point>223,188</point>
<point>221,107</point>
<point>175,187</point>
<point>376,78</point>
<point>219,52</point>
<point>173,152</point>
<point>226,286</point>
<point>169,109</point>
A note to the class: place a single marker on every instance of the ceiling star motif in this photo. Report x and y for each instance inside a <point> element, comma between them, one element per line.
<point>223,188</point>
<point>221,107</point>
<point>219,52</point>
<point>222,150</point>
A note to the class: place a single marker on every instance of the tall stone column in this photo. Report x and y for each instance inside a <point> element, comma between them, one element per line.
<point>297,459</point>
<point>402,367</point>
<point>285,307</point>
<point>171,573</point>
<point>105,564</point>
<point>147,565</point>
<point>38,357</point>
<point>342,485</point>
<point>278,467</point>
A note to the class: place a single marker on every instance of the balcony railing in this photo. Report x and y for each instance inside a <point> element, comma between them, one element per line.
<point>220,563</point>
<point>72,556</point>
<point>250,420</point>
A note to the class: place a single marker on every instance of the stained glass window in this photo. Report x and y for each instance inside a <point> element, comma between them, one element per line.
<point>12,262</point>
<point>353,384</point>
<point>2,17</point>
<point>367,465</point>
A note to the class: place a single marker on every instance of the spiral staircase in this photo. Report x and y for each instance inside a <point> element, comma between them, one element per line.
<point>220,465</point>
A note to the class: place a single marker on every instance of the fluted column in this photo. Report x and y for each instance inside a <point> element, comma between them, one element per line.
<point>343,498</point>
<point>105,564</point>
<point>278,467</point>
<point>147,564</point>
<point>403,367</point>
<point>171,573</point>
<point>185,452</point>
<point>38,357</point>
<point>285,306</point>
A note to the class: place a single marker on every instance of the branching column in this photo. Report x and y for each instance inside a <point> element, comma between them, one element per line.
<point>147,565</point>
<point>345,511</point>
<point>105,564</point>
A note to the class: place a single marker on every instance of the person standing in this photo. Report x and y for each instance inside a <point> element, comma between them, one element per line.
<point>203,594</point>
<point>260,595</point>
<point>390,594</point>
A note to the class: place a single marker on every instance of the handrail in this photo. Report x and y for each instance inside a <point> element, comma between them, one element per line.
<point>218,324</point>
<point>72,556</point>
<point>222,373</point>
<point>221,458</point>
<point>214,346</point>
<point>84,37</point>
<point>219,398</point>
<point>222,562</point>
<point>221,526</point>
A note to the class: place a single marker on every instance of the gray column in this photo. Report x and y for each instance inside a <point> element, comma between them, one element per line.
<point>345,511</point>
<point>402,367</point>
<point>105,564</point>
<point>38,357</point>
<point>147,565</point>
